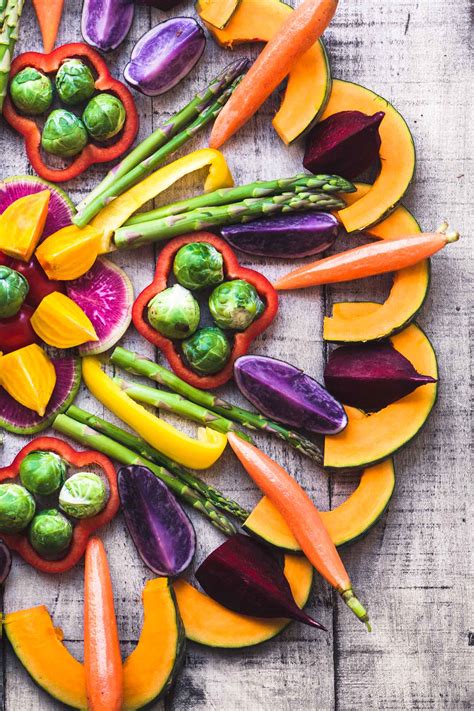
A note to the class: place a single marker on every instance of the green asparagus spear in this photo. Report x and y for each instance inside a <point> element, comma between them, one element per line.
<point>141,447</point>
<point>259,189</point>
<point>133,363</point>
<point>8,38</point>
<point>90,438</point>
<point>245,211</point>
<point>196,112</point>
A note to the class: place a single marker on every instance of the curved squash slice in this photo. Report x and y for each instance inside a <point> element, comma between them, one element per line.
<point>346,523</point>
<point>407,295</point>
<point>397,154</point>
<point>368,439</point>
<point>309,82</point>
<point>207,622</point>
<point>216,12</point>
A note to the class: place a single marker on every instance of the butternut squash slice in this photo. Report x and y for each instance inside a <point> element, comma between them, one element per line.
<point>368,439</point>
<point>407,295</point>
<point>216,12</point>
<point>207,622</point>
<point>346,523</point>
<point>309,82</point>
<point>397,154</point>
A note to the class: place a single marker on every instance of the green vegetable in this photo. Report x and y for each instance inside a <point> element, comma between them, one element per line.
<point>31,91</point>
<point>42,472</point>
<point>174,312</point>
<point>207,351</point>
<point>104,116</point>
<point>64,134</point>
<point>13,290</point>
<point>235,304</point>
<point>17,508</point>
<point>74,82</point>
<point>198,265</point>
<point>83,495</point>
<point>10,20</point>
<point>50,534</point>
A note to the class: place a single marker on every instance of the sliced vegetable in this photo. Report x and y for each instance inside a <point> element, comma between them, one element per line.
<point>22,224</point>
<point>17,508</point>
<point>287,394</point>
<point>208,351</point>
<point>106,23</point>
<point>42,472</point>
<point>60,322</point>
<point>63,134</point>
<point>198,265</point>
<point>162,532</point>
<point>31,91</point>
<point>247,578</point>
<point>104,117</point>
<point>13,291</point>
<point>5,563</point>
<point>216,12</point>
<point>83,495</point>
<point>16,332</point>
<point>70,252</point>
<point>74,82</point>
<point>50,534</point>
<point>174,312</point>
<point>165,55</point>
<point>29,377</point>
<point>49,13</point>
<point>38,283</point>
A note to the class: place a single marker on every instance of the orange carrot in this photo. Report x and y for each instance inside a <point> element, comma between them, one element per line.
<point>368,260</point>
<point>302,517</point>
<point>102,661</point>
<point>304,27</point>
<point>49,14</point>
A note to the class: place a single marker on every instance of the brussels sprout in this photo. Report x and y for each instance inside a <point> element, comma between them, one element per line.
<point>198,265</point>
<point>31,91</point>
<point>174,312</point>
<point>104,116</point>
<point>74,82</point>
<point>42,473</point>
<point>235,304</point>
<point>13,290</point>
<point>207,351</point>
<point>50,534</point>
<point>64,134</point>
<point>17,508</point>
<point>83,495</point>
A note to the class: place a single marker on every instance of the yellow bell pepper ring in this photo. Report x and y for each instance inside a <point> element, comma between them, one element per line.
<point>200,453</point>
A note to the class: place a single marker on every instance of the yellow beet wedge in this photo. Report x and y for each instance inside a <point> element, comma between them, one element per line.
<point>28,375</point>
<point>60,322</point>
<point>70,252</point>
<point>22,224</point>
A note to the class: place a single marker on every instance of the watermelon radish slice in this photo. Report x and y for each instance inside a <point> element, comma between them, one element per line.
<point>20,420</point>
<point>60,210</point>
<point>105,294</point>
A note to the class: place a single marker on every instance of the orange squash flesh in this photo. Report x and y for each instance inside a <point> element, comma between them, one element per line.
<point>216,12</point>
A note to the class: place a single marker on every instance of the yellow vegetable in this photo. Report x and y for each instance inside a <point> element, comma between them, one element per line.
<point>60,322</point>
<point>28,375</point>
<point>69,253</point>
<point>198,454</point>
<point>22,224</point>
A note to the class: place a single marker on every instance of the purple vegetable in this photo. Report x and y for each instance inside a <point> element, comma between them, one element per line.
<point>247,577</point>
<point>285,236</point>
<point>105,23</point>
<point>346,143</point>
<point>160,4</point>
<point>5,561</point>
<point>163,534</point>
<point>371,376</point>
<point>285,393</point>
<point>165,55</point>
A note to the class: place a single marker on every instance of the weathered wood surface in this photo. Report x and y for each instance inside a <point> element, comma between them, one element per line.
<point>413,569</point>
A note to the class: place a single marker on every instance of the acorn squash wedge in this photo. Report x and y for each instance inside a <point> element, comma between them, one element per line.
<point>211,624</point>
<point>309,82</point>
<point>346,523</point>
<point>397,154</point>
<point>368,439</point>
<point>407,295</point>
<point>216,12</point>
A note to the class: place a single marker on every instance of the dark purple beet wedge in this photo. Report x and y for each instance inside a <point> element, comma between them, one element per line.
<point>5,561</point>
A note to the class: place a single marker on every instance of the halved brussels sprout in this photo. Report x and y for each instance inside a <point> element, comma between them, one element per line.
<point>50,534</point>
<point>197,265</point>
<point>31,91</point>
<point>174,312</point>
<point>74,82</point>
<point>13,290</point>
<point>17,508</point>
<point>207,351</point>
<point>42,473</point>
<point>104,116</point>
<point>83,495</point>
<point>235,304</point>
<point>64,134</point>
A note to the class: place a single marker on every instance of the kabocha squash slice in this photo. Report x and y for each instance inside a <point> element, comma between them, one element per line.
<point>346,523</point>
<point>397,154</point>
<point>216,12</point>
<point>309,82</point>
<point>407,295</point>
<point>368,439</point>
<point>209,623</point>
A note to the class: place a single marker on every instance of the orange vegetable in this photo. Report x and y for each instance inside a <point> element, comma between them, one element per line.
<point>22,224</point>
<point>297,34</point>
<point>28,375</point>
<point>60,322</point>
<point>302,517</point>
<point>102,661</point>
<point>49,14</point>
<point>368,260</point>
<point>70,252</point>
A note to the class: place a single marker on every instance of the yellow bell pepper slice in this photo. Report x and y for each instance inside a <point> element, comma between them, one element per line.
<point>199,453</point>
<point>22,224</point>
<point>119,210</point>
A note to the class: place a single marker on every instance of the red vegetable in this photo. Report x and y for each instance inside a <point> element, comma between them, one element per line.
<point>27,127</point>
<point>85,527</point>
<point>40,285</point>
<point>232,270</point>
<point>16,331</point>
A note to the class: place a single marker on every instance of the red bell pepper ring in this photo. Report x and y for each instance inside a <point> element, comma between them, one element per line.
<point>92,153</point>
<point>232,270</point>
<point>85,527</point>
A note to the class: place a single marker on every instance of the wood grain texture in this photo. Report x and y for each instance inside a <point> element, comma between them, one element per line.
<point>413,569</point>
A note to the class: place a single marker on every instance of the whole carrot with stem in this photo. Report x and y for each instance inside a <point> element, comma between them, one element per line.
<point>302,517</point>
<point>369,260</point>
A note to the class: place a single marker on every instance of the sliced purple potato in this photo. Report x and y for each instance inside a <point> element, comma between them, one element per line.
<point>106,23</point>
